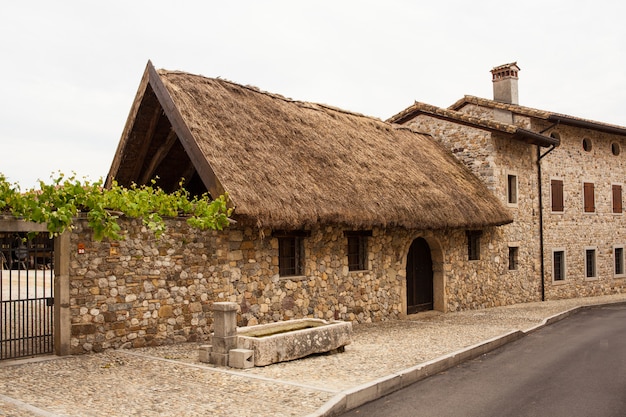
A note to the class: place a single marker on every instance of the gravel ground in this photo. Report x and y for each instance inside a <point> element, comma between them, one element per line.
<point>170,381</point>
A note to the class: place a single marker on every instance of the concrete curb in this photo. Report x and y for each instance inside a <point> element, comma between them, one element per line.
<point>361,394</point>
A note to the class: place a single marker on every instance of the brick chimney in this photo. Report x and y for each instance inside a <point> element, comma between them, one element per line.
<point>504,79</point>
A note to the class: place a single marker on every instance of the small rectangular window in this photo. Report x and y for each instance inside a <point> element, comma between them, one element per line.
<point>590,263</point>
<point>589,197</point>
<point>617,198</point>
<point>357,249</point>
<point>291,252</point>
<point>513,257</point>
<point>556,193</point>
<point>558,265</point>
<point>512,189</point>
<point>618,256</point>
<point>473,244</point>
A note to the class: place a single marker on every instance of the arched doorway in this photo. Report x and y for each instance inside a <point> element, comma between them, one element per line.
<point>419,277</point>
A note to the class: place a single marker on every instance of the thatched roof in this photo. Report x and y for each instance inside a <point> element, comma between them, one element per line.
<point>289,164</point>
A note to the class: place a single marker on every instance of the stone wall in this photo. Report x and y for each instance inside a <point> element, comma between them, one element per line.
<point>142,291</point>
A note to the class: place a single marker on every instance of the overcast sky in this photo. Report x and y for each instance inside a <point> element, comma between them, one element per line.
<point>70,69</point>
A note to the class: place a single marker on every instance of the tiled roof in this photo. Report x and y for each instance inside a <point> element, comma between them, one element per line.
<point>539,114</point>
<point>473,121</point>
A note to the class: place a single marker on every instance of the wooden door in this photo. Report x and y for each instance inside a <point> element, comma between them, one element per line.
<point>419,277</point>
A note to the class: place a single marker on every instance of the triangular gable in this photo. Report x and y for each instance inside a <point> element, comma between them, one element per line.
<point>156,120</point>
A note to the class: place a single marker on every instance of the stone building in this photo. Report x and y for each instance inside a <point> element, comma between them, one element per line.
<point>338,216</point>
<point>563,186</point>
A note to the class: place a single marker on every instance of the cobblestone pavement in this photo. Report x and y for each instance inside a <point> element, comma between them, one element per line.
<point>170,381</point>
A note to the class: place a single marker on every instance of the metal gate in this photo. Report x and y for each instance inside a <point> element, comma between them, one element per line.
<point>26,300</point>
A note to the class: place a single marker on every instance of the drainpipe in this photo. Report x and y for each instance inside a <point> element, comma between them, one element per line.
<point>541,246</point>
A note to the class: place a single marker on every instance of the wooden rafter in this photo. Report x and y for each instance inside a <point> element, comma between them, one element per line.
<point>158,157</point>
<point>145,145</point>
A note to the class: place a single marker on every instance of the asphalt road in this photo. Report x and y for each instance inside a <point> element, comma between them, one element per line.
<point>576,367</point>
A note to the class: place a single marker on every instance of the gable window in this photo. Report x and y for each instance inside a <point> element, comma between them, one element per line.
<point>558,265</point>
<point>511,187</point>
<point>589,198</point>
<point>590,263</point>
<point>618,259</point>
<point>357,249</point>
<point>556,194</point>
<point>617,198</point>
<point>291,252</point>
<point>513,257</point>
<point>473,244</point>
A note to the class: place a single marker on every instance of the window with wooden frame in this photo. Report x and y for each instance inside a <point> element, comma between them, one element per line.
<point>290,252</point>
<point>617,198</point>
<point>511,189</point>
<point>618,261</point>
<point>590,263</point>
<point>589,197</point>
<point>556,195</point>
<point>558,265</point>
<point>473,244</point>
<point>357,249</point>
<point>513,258</point>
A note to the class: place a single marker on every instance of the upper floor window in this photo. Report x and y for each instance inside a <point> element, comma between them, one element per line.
<point>473,244</point>
<point>587,145</point>
<point>589,199</point>
<point>617,198</point>
<point>615,148</point>
<point>357,249</point>
<point>556,195</point>
<point>511,189</point>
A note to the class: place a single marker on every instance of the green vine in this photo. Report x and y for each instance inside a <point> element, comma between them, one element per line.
<point>57,205</point>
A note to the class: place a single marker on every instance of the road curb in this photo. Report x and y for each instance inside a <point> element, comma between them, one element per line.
<point>373,390</point>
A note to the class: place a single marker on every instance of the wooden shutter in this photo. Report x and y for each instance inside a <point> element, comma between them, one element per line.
<point>617,198</point>
<point>589,197</point>
<point>557,195</point>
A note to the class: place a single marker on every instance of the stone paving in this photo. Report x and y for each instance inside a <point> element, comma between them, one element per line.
<point>170,381</point>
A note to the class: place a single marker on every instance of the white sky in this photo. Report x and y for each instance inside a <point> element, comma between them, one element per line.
<point>70,69</point>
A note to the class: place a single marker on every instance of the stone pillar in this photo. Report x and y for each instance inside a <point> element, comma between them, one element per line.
<point>62,315</point>
<point>225,332</point>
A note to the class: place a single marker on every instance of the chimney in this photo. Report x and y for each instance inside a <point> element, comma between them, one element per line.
<point>504,79</point>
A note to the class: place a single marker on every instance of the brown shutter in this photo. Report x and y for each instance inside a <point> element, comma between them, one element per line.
<point>617,198</point>
<point>557,195</point>
<point>589,197</point>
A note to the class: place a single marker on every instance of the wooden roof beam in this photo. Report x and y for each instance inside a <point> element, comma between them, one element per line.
<point>145,145</point>
<point>158,157</point>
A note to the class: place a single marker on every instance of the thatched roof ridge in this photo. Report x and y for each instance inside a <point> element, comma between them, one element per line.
<point>289,164</point>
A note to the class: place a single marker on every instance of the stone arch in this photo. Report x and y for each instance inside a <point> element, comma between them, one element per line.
<point>439,281</point>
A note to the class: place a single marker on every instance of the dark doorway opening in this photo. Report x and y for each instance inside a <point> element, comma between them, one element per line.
<point>419,277</point>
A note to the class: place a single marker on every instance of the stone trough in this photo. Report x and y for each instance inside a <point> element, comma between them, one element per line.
<point>293,339</point>
<point>266,344</point>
